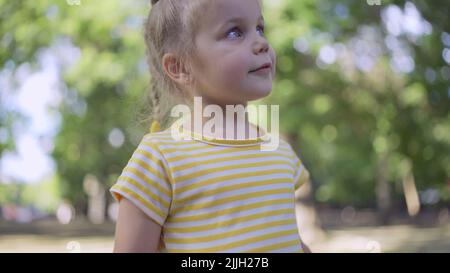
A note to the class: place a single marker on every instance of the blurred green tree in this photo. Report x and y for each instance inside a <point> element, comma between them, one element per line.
<point>364,98</point>
<point>358,115</point>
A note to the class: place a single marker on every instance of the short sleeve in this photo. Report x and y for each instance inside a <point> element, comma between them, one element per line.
<point>145,182</point>
<point>301,174</point>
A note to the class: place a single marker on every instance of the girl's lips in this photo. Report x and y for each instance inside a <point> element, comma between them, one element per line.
<point>266,66</point>
<point>262,71</point>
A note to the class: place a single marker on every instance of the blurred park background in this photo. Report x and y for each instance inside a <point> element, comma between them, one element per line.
<point>364,95</point>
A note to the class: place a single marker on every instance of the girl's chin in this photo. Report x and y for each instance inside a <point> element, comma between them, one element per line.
<point>258,94</point>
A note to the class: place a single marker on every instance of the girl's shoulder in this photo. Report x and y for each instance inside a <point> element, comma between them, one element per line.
<point>164,138</point>
<point>157,136</point>
<point>284,144</point>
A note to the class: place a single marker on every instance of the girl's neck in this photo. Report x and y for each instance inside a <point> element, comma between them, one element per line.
<point>243,129</point>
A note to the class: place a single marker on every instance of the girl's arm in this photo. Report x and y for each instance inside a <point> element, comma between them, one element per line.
<point>306,249</point>
<point>135,231</point>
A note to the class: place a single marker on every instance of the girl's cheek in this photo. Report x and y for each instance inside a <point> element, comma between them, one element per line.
<point>237,68</point>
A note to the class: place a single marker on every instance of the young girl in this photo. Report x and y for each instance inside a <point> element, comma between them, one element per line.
<point>208,194</point>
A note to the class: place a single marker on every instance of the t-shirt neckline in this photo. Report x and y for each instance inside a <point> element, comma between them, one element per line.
<point>264,137</point>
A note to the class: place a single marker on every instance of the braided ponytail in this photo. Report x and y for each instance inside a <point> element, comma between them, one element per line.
<point>156,112</point>
<point>170,27</point>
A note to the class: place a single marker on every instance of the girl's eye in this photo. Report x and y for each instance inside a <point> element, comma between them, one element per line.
<point>234,33</point>
<point>237,33</point>
<point>261,29</point>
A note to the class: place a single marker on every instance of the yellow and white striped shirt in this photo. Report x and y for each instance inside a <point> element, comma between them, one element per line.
<point>215,195</point>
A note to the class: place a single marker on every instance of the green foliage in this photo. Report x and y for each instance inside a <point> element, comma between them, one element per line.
<point>44,195</point>
<point>345,119</point>
<point>9,193</point>
<point>342,120</point>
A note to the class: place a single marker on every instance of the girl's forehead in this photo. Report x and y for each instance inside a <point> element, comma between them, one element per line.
<point>222,11</point>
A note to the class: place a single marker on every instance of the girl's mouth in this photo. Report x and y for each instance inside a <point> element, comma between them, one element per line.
<point>265,67</point>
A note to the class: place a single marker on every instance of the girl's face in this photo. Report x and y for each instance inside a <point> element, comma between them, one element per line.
<point>230,45</point>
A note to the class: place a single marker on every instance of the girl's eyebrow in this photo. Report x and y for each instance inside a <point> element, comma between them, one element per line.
<point>238,19</point>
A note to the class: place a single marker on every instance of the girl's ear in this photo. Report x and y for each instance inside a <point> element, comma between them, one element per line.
<point>173,68</point>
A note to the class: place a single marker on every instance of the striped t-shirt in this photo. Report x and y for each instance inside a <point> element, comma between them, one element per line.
<point>215,195</point>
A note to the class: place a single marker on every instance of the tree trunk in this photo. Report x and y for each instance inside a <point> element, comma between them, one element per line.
<point>383,190</point>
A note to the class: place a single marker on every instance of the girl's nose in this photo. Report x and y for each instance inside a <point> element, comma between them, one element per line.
<point>260,46</point>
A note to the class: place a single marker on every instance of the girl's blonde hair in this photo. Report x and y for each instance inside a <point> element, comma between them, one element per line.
<point>170,27</point>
